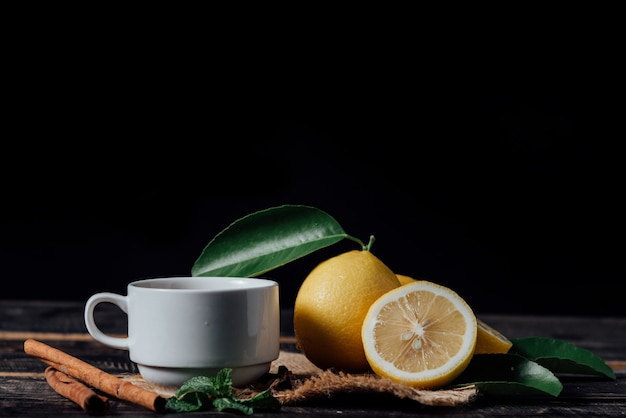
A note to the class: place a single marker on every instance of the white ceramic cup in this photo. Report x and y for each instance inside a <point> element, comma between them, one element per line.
<point>181,327</point>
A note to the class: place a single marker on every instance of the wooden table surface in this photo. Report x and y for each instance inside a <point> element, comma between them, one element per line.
<point>25,392</point>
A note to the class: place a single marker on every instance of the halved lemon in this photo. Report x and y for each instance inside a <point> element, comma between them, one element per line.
<point>490,341</point>
<point>422,334</point>
<point>404,279</point>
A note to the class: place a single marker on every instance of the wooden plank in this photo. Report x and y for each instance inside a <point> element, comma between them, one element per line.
<point>24,391</point>
<point>45,336</point>
<point>30,396</point>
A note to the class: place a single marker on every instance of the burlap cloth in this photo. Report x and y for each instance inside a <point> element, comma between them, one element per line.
<point>294,380</point>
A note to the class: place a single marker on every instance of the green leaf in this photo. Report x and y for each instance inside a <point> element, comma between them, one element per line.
<point>198,384</point>
<point>200,393</point>
<point>223,382</point>
<point>561,356</point>
<point>508,374</point>
<point>222,404</point>
<point>195,394</point>
<point>267,239</point>
<point>264,400</point>
<point>188,402</point>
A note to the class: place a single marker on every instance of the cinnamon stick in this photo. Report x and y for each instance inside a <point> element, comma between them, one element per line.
<point>94,377</point>
<point>75,391</point>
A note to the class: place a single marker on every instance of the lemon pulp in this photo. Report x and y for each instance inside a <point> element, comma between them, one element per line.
<point>422,334</point>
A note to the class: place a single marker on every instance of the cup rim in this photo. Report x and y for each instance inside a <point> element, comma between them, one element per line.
<point>249,283</point>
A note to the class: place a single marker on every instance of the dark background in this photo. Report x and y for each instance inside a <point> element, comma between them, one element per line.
<point>498,172</point>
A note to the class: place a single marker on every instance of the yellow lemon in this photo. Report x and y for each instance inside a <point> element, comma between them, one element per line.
<point>405,279</point>
<point>421,334</point>
<point>331,304</point>
<point>490,341</point>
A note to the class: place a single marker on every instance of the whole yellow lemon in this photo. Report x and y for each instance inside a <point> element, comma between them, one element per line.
<point>330,307</point>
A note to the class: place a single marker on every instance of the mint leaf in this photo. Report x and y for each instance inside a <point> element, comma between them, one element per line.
<point>223,383</point>
<point>267,239</point>
<point>264,400</point>
<point>199,384</point>
<point>222,404</point>
<point>188,402</point>
<point>561,356</point>
<point>201,393</point>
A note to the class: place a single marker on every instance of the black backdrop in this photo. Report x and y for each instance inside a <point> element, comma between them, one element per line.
<point>504,182</point>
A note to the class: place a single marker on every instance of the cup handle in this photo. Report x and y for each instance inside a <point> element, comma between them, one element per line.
<point>90,323</point>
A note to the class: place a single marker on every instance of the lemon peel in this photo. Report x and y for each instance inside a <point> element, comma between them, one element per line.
<point>331,304</point>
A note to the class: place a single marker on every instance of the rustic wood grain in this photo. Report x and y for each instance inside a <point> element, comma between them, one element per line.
<point>25,392</point>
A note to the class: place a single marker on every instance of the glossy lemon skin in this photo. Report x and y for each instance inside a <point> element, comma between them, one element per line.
<point>331,304</point>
